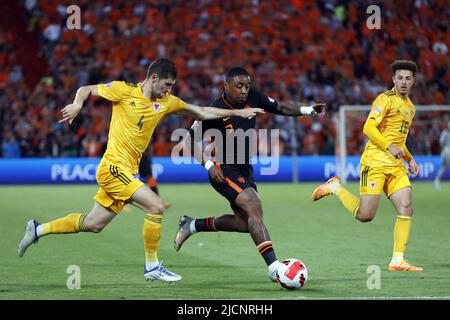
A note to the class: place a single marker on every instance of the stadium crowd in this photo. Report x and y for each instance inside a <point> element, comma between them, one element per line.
<point>309,51</point>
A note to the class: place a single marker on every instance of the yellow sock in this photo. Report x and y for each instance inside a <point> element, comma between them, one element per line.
<point>152,233</point>
<point>350,202</point>
<point>71,223</point>
<point>401,235</point>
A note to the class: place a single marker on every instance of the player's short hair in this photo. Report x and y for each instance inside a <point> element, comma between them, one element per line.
<point>164,68</point>
<point>234,72</point>
<point>404,65</point>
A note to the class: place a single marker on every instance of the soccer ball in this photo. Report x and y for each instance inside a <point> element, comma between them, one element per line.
<point>292,274</point>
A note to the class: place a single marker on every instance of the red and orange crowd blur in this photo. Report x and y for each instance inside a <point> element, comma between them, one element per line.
<point>302,50</point>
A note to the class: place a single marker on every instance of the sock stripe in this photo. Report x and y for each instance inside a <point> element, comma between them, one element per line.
<point>263,247</point>
<point>262,244</point>
<point>81,223</point>
<point>355,212</point>
<point>210,224</point>
<point>154,218</point>
<point>404,217</point>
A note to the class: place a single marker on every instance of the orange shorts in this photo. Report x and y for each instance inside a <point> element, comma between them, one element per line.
<point>116,186</point>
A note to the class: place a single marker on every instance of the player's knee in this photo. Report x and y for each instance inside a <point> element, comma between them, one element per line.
<point>364,218</point>
<point>93,227</point>
<point>242,226</point>
<point>365,215</point>
<point>157,208</point>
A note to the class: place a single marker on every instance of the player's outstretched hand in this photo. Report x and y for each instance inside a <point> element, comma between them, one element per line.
<point>413,168</point>
<point>249,112</point>
<point>70,111</point>
<point>319,109</point>
<point>216,174</point>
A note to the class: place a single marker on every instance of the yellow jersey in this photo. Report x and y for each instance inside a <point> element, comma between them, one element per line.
<point>133,120</point>
<point>394,116</point>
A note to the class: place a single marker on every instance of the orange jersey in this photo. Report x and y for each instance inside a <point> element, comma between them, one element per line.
<point>133,120</point>
<point>394,117</point>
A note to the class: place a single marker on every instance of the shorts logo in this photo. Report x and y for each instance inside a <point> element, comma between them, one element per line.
<point>156,106</point>
<point>241,180</point>
<point>373,184</point>
<point>108,85</point>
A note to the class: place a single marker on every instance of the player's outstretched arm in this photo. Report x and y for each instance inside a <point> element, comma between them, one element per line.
<point>296,109</point>
<point>70,111</point>
<point>207,113</point>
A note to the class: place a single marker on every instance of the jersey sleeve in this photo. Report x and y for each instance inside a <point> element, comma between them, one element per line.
<point>176,104</point>
<point>267,103</point>
<point>379,109</point>
<point>112,91</point>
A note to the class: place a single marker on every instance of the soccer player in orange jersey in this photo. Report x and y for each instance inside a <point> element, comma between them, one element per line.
<point>136,111</point>
<point>382,163</point>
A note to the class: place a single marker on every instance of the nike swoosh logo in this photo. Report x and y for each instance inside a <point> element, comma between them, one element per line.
<point>225,119</point>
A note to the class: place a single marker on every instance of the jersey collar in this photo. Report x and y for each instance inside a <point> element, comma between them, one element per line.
<point>231,105</point>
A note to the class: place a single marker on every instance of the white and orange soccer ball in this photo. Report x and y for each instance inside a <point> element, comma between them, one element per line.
<point>292,274</point>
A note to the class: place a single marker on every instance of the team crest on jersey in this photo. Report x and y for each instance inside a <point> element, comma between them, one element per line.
<point>156,106</point>
<point>373,184</point>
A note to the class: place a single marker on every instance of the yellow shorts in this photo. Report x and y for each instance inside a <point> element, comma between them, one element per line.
<point>374,180</point>
<point>116,186</point>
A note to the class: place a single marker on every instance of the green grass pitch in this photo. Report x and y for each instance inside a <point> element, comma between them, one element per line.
<point>336,248</point>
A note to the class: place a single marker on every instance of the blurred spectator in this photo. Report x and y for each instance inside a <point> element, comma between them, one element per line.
<point>10,146</point>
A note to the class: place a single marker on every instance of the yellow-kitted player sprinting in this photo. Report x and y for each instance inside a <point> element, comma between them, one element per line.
<point>136,111</point>
<point>382,163</point>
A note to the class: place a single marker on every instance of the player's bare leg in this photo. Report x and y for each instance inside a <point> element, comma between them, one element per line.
<point>95,221</point>
<point>248,217</point>
<point>368,206</point>
<point>153,207</point>
<point>250,203</point>
<point>402,201</point>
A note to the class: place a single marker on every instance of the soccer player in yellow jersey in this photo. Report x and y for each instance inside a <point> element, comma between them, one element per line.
<point>136,111</point>
<point>382,163</point>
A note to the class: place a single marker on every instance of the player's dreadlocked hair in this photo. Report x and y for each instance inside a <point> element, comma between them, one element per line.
<point>236,71</point>
<point>164,68</point>
<point>404,65</point>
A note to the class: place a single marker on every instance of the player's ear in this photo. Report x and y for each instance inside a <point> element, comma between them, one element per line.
<point>154,78</point>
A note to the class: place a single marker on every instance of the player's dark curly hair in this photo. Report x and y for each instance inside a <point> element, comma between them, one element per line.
<point>404,65</point>
<point>236,71</point>
<point>164,68</point>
